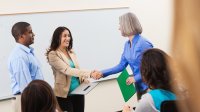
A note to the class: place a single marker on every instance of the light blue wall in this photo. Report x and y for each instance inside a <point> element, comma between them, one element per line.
<point>97,40</point>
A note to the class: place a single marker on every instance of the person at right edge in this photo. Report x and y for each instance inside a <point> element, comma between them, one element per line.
<point>131,28</point>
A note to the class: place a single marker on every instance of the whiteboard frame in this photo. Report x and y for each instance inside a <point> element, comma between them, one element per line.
<point>3,96</point>
<point>11,7</point>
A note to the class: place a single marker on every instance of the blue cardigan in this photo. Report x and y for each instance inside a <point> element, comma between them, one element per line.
<point>132,56</point>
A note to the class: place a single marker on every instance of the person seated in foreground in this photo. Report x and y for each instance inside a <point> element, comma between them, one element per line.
<point>156,74</point>
<point>38,96</point>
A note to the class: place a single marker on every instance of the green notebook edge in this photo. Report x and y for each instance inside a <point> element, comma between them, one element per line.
<point>127,90</point>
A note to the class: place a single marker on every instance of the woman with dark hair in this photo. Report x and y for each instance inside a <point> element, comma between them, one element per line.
<point>38,96</point>
<point>156,74</point>
<point>66,71</point>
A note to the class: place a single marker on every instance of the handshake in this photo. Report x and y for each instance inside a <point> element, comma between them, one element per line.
<point>96,75</point>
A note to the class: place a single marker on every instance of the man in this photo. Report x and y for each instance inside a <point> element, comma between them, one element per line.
<point>22,64</point>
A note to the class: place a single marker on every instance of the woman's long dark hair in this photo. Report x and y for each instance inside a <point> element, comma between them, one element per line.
<point>56,39</point>
<point>154,69</point>
<point>38,96</point>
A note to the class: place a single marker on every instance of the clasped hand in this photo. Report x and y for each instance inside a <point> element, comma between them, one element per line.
<point>96,75</point>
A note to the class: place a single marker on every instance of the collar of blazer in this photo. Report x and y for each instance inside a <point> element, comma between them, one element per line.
<point>65,59</point>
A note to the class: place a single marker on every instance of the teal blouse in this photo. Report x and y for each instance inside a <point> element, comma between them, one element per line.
<point>160,95</point>
<point>74,80</point>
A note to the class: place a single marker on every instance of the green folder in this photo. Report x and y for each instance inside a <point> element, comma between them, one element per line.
<point>127,90</point>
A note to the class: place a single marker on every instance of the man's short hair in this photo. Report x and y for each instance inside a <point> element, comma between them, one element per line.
<point>18,29</point>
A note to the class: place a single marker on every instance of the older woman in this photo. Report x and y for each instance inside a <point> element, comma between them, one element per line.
<point>130,27</point>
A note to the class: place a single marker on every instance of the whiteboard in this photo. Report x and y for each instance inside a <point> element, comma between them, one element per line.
<point>98,43</point>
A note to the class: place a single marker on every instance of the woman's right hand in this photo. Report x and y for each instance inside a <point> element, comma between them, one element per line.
<point>86,81</point>
<point>126,108</point>
<point>96,75</point>
<point>130,80</point>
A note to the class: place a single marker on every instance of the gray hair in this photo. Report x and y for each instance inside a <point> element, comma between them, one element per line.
<point>129,24</point>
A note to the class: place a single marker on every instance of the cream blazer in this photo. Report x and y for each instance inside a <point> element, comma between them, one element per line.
<point>62,71</point>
